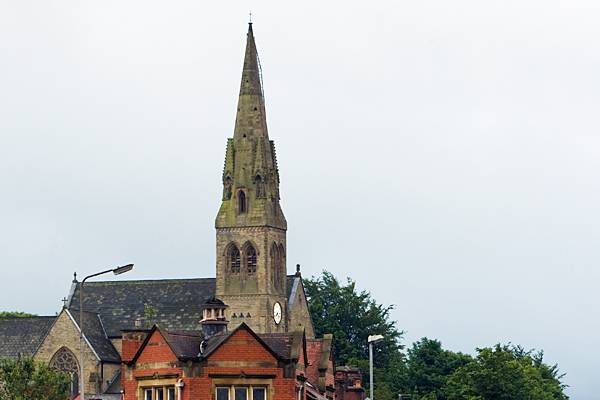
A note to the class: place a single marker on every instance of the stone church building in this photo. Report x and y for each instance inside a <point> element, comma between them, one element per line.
<point>246,334</point>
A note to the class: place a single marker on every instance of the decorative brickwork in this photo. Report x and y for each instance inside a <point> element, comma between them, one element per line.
<point>238,359</point>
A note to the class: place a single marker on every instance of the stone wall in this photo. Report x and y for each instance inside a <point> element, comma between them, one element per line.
<point>299,316</point>
<point>64,333</point>
<point>251,297</point>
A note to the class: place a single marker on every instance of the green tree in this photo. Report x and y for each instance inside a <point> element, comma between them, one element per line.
<point>15,314</point>
<point>503,373</point>
<point>352,316</point>
<point>428,367</point>
<point>24,379</point>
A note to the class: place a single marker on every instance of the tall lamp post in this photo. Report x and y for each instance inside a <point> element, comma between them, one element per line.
<point>372,339</point>
<point>116,271</point>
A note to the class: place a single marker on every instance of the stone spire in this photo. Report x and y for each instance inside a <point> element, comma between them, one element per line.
<point>250,176</point>
<point>250,226</point>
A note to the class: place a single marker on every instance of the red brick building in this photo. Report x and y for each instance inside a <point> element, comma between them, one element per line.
<point>348,384</point>
<point>213,363</point>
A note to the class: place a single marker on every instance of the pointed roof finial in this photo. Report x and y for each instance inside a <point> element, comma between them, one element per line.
<point>74,277</point>
<point>250,17</point>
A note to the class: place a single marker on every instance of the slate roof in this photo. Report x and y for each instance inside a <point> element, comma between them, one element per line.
<point>280,343</point>
<point>185,345</point>
<point>22,335</point>
<point>177,302</point>
<point>95,334</point>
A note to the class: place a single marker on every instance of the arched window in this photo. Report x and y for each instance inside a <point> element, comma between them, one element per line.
<point>275,270</point>
<point>282,271</point>
<point>242,206</point>
<point>233,258</point>
<point>64,360</point>
<point>250,260</point>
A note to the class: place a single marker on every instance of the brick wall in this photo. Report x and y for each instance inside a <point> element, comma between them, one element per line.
<point>241,354</point>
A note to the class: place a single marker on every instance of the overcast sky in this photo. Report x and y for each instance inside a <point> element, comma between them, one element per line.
<point>444,154</point>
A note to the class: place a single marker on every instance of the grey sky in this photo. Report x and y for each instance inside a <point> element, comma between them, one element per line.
<point>443,154</point>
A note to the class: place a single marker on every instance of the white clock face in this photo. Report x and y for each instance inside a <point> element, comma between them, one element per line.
<point>277,313</point>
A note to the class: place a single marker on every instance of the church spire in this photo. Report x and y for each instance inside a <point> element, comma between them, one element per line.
<point>251,79</point>
<point>251,228</point>
<point>250,177</point>
<point>251,117</point>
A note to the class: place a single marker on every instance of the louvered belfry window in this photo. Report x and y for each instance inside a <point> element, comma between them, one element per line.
<point>250,260</point>
<point>234,260</point>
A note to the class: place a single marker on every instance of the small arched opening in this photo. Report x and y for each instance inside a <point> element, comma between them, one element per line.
<point>242,204</point>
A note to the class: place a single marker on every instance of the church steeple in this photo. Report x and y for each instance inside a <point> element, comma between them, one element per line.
<point>251,228</point>
<point>250,176</point>
<point>251,79</point>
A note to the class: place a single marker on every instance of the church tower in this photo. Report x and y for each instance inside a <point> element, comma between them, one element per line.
<point>251,228</point>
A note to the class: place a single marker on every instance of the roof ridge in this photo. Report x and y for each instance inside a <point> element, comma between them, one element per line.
<point>179,333</point>
<point>26,318</point>
<point>143,281</point>
<point>97,314</point>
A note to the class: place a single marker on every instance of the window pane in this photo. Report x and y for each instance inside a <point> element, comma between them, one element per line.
<point>258,394</point>
<point>241,393</point>
<point>148,394</point>
<point>171,394</point>
<point>223,393</point>
<point>160,393</point>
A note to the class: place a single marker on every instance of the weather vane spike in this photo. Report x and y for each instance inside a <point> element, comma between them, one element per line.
<point>250,17</point>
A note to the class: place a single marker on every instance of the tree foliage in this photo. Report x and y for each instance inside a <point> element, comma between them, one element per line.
<point>24,379</point>
<point>15,314</point>
<point>506,372</point>
<point>428,367</point>
<point>427,371</point>
<point>352,316</point>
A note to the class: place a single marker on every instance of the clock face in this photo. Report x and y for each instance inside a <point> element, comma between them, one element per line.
<point>277,313</point>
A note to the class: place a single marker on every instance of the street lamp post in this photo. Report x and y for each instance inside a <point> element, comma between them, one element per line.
<point>372,339</point>
<point>116,271</point>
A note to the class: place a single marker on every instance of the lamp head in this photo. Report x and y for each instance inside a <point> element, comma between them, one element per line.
<point>123,269</point>
<point>375,338</point>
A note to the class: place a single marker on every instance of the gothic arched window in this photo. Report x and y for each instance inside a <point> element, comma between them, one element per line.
<point>275,270</point>
<point>242,206</point>
<point>64,360</point>
<point>233,259</point>
<point>250,260</point>
<point>282,271</point>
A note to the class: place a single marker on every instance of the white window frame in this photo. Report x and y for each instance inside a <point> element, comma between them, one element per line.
<point>155,389</point>
<point>249,391</point>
